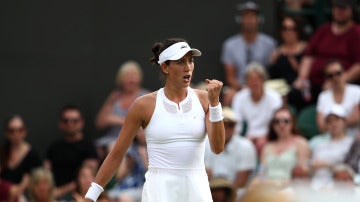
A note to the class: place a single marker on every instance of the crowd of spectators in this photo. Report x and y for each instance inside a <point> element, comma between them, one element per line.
<point>264,147</point>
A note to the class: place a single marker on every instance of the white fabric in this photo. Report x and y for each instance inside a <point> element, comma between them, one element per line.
<point>239,155</point>
<point>257,115</point>
<point>351,98</point>
<point>175,139</point>
<point>177,51</point>
<point>215,113</point>
<point>175,185</point>
<point>94,191</point>
<point>176,136</point>
<point>332,152</point>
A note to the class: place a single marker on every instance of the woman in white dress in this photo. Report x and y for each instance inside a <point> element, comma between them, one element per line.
<point>175,119</point>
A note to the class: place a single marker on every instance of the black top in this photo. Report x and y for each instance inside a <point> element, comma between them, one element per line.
<point>30,161</point>
<point>282,68</point>
<point>66,158</point>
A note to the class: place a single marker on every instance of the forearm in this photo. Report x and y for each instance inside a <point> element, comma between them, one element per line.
<point>109,120</point>
<point>353,73</point>
<point>69,187</point>
<point>304,67</point>
<point>217,136</point>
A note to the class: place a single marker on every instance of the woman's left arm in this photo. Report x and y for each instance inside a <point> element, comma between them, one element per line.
<point>214,123</point>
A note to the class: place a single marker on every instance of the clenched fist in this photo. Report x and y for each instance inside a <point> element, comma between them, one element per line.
<point>213,88</point>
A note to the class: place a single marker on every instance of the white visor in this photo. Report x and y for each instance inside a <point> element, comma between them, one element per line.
<point>177,51</point>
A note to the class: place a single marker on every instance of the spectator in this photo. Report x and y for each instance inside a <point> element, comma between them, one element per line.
<point>330,152</point>
<point>286,154</point>
<point>84,177</point>
<point>255,105</point>
<point>66,155</point>
<point>249,45</point>
<point>129,177</point>
<point>338,39</point>
<point>342,93</point>
<point>112,114</point>
<point>285,60</point>
<point>238,160</point>
<point>42,186</point>
<point>18,157</point>
<point>222,190</point>
<point>9,192</point>
<point>352,159</point>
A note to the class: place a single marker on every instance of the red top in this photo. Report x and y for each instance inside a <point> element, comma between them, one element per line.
<point>325,45</point>
<point>5,187</point>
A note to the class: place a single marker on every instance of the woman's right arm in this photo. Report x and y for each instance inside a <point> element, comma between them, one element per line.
<point>133,121</point>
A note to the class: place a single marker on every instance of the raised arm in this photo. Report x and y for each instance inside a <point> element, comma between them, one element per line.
<point>214,123</point>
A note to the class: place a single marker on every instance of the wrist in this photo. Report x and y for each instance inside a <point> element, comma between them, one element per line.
<point>94,191</point>
<point>215,113</point>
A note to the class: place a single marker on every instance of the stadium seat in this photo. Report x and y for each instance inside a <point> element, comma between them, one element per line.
<point>306,121</point>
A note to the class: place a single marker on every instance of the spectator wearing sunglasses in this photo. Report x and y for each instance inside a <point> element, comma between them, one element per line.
<point>286,154</point>
<point>66,155</point>
<point>331,152</point>
<point>17,156</point>
<point>342,93</point>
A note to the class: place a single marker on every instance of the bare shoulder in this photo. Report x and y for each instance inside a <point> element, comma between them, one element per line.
<point>144,104</point>
<point>203,97</point>
<point>300,141</point>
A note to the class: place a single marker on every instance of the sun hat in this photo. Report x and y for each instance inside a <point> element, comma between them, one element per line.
<point>336,110</point>
<point>229,115</point>
<point>177,51</point>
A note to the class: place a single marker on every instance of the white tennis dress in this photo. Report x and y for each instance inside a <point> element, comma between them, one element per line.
<point>175,139</point>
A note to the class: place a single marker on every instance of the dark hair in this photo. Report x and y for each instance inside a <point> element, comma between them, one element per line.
<point>159,47</point>
<point>272,136</point>
<point>5,148</point>
<point>299,25</point>
<point>330,62</point>
<point>67,107</point>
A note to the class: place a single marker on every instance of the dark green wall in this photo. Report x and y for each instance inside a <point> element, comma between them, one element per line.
<point>55,52</point>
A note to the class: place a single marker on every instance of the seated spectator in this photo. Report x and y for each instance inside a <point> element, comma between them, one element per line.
<point>9,192</point>
<point>129,177</point>
<point>331,151</point>
<point>85,176</point>
<point>338,39</point>
<point>352,162</point>
<point>69,153</point>
<point>286,154</point>
<point>18,157</point>
<point>255,105</point>
<point>112,114</point>
<point>238,160</point>
<point>285,60</point>
<point>249,45</point>
<point>341,93</point>
<point>222,190</point>
<point>42,186</point>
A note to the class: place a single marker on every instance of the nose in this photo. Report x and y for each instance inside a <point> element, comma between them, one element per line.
<point>188,66</point>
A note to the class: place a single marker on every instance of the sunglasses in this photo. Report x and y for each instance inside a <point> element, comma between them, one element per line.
<point>70,120</point>
<point>333,74</point>
<point>278,121</point>
<point>288,28</point>
<point>16,130</point>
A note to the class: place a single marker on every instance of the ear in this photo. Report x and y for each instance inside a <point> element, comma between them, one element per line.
<point>164,67</point>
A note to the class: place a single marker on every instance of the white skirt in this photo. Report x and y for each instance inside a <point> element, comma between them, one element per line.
<point>172,185</point>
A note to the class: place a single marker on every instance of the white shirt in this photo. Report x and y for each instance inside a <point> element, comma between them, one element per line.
<point>257,115</point>
<point>351,98</point>
<point>239,155</point>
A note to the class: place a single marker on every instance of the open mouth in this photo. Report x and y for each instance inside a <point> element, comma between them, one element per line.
<point>187,78</point>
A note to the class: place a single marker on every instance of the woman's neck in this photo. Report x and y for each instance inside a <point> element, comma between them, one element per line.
<point>175,94</point>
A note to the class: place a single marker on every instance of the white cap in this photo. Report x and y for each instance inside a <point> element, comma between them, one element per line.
<point>229,115</point>
<point>336,110</point>
<point>177,51</point>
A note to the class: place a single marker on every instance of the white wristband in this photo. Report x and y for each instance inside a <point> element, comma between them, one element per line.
<point>215,113</point>
<point>94,191</point>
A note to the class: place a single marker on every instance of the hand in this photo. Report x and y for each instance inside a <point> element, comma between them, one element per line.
<point>213,88</point>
